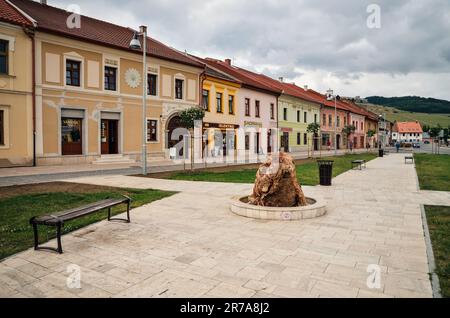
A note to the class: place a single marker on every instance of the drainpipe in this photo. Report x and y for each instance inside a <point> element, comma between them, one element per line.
<point>30,33</point>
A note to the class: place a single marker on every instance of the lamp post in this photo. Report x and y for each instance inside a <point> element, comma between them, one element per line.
<point>135,44</point>
<point>330,97</point>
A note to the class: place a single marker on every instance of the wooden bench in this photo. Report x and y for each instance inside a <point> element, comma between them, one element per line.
<point>409,158</point>
<point>358,163</point>
<point>58,219</point>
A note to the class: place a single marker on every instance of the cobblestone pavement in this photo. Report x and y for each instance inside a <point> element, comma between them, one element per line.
<point>191,245</point>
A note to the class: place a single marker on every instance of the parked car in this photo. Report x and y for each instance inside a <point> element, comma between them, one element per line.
<point>426,142</point>
<point>416,145</point>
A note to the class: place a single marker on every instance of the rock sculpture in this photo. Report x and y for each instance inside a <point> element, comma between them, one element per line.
<point>277,185</point>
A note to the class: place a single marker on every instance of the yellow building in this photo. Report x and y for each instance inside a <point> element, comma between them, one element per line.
<point>16,89</point>
<point>220,102</point>
<point>89,90</point>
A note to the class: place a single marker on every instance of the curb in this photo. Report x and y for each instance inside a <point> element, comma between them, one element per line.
<point>430,254</point>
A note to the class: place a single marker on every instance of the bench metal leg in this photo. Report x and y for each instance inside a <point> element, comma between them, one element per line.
<point>58,237</point>
<point>128,220</point>
<point>36,238</point>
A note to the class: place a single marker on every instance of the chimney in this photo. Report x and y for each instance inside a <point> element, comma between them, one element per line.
<point>44,2</point>
<point>228,61</point>
<point>305,87</point>
<point>281,79</point>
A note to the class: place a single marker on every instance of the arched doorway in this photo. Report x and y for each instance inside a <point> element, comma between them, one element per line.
<point>173,124</point>
<point>338,142</point>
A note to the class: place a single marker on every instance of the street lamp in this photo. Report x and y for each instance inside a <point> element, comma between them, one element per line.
<point>330,97</point>
<point>135,44</point>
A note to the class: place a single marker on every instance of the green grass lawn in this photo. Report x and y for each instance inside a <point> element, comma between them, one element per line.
<point>433,171</point>
<point>307,173</point>
<point>439,225</point>
<point>15,212</point>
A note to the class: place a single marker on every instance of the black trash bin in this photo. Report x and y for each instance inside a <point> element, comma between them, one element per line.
<point>381,153</point>
<point>325,171</point>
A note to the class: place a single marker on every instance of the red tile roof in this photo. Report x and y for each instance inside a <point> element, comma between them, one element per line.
<point>11,15</point>
<point>408,127</point>
<point>246,77</point>
<point>53,20</point>
<point>213,72</point>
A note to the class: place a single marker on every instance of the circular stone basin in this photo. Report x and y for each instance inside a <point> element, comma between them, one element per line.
<point>314,209</point>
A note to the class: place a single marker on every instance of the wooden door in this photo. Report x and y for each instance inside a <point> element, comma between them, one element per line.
<point>109,137</point>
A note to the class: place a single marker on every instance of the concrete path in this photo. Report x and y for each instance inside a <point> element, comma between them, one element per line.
<point>191,245</point>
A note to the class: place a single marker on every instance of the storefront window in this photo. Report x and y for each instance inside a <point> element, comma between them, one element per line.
<point>71,130</point>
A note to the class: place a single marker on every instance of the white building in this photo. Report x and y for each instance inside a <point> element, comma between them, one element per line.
<point>407,132</point>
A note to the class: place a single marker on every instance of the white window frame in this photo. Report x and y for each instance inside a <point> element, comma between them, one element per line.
<point>183,78</point>
<point>77,59</point>
<point>6,127</point>
<point>158,130</point>
<point>11,49</point>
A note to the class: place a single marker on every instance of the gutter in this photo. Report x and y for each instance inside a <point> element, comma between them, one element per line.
<point>30,33</point>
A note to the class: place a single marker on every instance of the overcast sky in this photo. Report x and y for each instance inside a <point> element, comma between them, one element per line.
<point>320,43</point>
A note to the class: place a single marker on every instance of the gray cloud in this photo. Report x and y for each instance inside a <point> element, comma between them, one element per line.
<point>292,38</point>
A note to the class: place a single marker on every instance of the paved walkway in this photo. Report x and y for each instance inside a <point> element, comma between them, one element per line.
<point>191,245</point>
<point>40,174</point>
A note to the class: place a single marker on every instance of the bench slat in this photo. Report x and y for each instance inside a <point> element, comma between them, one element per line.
<point>78,212</point>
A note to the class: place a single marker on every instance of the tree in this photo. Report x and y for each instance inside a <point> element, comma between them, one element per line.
<point>348,130</point>
<point>314,129</point>
<point>188,117</point>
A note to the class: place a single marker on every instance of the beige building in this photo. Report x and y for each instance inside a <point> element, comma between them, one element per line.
<point>89,90</point>
<point>16,89</point>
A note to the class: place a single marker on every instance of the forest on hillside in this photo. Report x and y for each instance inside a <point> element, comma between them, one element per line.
<point>413,104</point>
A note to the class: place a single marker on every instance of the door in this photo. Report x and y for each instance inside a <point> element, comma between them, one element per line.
<point>316,142</point>
<point>338,142</point>
<point>71,136</point>
<point>258,146</point>
<point>269,141</point>
<point>110,136</point>
<point>285,142</point>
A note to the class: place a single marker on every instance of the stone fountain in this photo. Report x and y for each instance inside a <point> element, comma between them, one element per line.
<point>277,195</point>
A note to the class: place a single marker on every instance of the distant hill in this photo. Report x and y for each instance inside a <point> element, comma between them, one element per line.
<point>393,114</point>
<point>413,104</point>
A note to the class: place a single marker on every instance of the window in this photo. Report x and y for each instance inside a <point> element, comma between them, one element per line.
<point>330,120</point>
<point>324,119</point>
<point>305,117</point>
<point>110,78</point>
<point>338,122</point>
<point>257,109</point>
<point>231,104</point>
<point>247,142</point>
<point>272,111</point>
<point>152,130</point>
<point>71,136</point>
<point>205,99</point>
<point>345,121</point>
<point>299,138</point>
<point>179,88</point>
<point>285,117</point>
<point>247,107</point>
<point>4,57</point>
<point>298,116</point>
<point>305,139</point>
<point>2,127</point>
<point>362,126</point>
<point>73,73</point>
<point>315,118</point>
<point>152,82</point>
<point>219,102</point>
